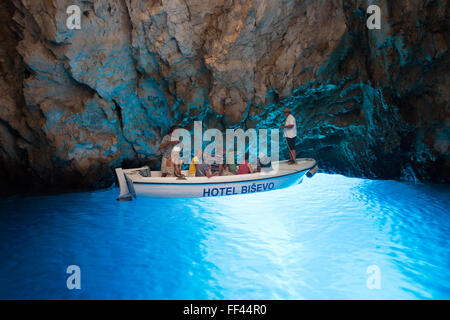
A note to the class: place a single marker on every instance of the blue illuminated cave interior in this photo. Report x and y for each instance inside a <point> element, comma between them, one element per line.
<point>95,88</point>
<point>81,102</point>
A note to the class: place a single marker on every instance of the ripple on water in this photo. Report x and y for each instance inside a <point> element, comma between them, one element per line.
<point>312,241</point>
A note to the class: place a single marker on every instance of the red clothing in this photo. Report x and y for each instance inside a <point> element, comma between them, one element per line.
<point>243,168</point>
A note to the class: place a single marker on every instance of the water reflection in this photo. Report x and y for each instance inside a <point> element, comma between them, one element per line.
<point>312,241</point>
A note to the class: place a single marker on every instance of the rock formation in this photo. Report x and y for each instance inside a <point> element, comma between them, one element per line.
<point>77,103</point>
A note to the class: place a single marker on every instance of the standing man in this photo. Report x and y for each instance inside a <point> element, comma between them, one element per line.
<point>166,147</point>
<point>290,134</point>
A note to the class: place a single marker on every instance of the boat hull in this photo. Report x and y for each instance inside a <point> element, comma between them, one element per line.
<point>213,189</point>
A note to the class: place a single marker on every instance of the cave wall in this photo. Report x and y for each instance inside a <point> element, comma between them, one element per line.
<point>77,103</point>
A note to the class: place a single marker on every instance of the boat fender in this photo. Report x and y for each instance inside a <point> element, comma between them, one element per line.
<point>312,171</point>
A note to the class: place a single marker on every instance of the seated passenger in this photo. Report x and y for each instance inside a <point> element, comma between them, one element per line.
<point>229,169</point>
<point>245,167</point>
<point>264,162</point>
<point>202,170</point>
<point>194,162</point>
<point>217,162</point>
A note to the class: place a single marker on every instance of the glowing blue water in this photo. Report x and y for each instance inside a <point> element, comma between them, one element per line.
<point>311,241</point>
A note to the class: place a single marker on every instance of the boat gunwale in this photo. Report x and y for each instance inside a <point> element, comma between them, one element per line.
<point>181,183</point>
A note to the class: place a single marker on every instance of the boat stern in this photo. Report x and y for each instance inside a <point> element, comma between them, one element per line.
<point>127,191</point>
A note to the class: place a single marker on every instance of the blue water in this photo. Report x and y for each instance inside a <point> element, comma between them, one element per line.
<point>312,241</point>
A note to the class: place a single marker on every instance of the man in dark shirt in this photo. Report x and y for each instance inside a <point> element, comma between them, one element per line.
<point>203,170</point>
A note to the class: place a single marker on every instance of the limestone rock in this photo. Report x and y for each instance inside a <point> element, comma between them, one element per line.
<point>77,103</point>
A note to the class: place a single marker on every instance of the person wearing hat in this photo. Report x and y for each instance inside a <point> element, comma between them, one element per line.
<point>290,134</point>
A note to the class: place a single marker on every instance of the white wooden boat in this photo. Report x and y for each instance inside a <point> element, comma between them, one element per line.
<point>134,182</point>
